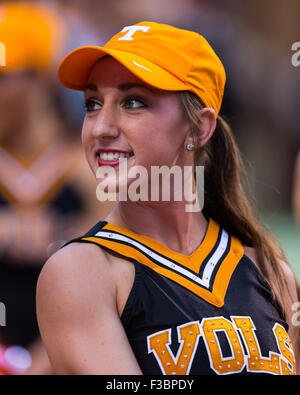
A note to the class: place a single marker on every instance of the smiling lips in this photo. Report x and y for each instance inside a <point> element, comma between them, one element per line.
<point>110,157</point>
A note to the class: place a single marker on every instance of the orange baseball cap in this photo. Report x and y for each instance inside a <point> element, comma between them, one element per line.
<point>32,36</point>
<point>163,56</point>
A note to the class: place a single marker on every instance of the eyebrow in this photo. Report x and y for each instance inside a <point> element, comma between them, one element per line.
<point>130,85</point>
<point>91,87</point>
<point>122,87</point>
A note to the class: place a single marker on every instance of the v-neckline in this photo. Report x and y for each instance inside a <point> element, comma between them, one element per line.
<point>192,261</point>
<point>206,272</point>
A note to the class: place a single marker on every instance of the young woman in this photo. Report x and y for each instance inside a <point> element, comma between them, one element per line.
<point>169,291</point>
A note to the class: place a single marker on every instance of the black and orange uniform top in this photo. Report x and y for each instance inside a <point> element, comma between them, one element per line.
<point>207,313</point>
<point>35,191</point>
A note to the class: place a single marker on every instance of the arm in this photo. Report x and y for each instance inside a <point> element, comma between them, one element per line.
<point>77,314</point>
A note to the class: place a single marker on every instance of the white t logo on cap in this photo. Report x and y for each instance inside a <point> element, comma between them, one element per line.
<point>131,30</point>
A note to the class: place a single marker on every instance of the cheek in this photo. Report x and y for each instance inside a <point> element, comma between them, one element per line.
<point>86,141</point>
<point>159,143</point>
<point>169,138</point>
<point>85,135</point>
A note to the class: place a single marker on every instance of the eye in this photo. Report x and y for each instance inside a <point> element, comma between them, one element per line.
<point>134,103</point>
<point>91,105</point>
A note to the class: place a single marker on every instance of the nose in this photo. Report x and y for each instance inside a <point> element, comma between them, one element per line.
<point>106,124</point>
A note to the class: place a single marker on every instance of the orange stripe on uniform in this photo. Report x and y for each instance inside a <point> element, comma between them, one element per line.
<point>222,277</point>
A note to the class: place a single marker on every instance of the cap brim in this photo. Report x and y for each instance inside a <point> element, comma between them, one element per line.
<point>74,70</point>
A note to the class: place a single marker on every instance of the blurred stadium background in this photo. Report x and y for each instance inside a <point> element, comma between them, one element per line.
<point>40,127</point>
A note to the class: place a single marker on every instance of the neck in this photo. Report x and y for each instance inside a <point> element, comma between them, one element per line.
<point>166,222</point>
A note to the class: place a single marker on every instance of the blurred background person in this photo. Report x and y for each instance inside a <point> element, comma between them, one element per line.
<point>45,188</point>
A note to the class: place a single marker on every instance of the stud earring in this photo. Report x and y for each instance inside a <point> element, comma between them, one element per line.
<point>190,146</point>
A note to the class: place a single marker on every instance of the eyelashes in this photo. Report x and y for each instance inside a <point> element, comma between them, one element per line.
<point>134,103</point>
<point>129,103</point>
<point>90,104</point>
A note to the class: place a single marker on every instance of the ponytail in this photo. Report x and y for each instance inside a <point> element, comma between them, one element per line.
<point>226,202</point>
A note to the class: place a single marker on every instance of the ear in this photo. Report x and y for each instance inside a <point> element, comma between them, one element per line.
<point>207,125</point>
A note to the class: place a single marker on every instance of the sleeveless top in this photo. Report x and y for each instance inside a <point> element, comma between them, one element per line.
<point>207,313</point>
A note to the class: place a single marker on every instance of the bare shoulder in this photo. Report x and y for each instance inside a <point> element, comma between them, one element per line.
<point>74,293</point>
<point>75,256</point>
<point>78,316</point>
<point>74,276</point>
<point>77,261</point>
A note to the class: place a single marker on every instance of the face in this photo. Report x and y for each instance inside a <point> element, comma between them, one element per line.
<point>127,118</point>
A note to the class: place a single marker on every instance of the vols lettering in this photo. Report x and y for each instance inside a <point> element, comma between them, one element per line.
<point>219,364</point>
<point>238,331</point>
<point>159,343</point>
<point>256,363</point>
